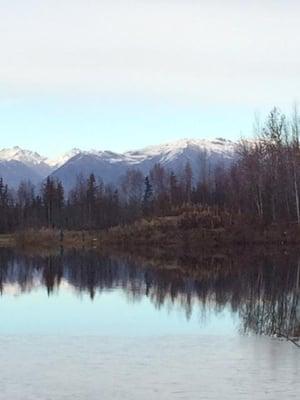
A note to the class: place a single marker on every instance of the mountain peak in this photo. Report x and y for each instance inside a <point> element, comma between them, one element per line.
<point>110,166</point>
<point>59,161</point>
<point>23,155</point>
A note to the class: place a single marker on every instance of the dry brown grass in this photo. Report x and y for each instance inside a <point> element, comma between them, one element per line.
<point>51,238</point>
<point>195,227</point>
<point>7,241</point>
<point>36,238</point>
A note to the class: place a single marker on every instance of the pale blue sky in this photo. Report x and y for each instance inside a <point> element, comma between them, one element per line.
<point>53,125</point>
<point>123,74</point>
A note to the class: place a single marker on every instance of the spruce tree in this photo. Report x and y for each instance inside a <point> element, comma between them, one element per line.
<point>148,197</point>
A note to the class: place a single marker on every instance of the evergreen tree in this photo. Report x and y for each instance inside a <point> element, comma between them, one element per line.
<point>174,189</point>
<point>187,182</point>
<point>91,200</point>
<point>148,197</point>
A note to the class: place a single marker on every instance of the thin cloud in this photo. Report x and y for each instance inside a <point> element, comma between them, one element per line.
<point>226,52</point>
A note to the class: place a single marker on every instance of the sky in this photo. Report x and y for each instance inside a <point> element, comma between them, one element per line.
<point>124,74</point>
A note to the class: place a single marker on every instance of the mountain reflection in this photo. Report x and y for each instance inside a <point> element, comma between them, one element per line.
<point>263,291</point>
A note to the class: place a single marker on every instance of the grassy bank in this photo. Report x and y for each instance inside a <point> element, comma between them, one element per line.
<point>188,231</point>
<point>44,239</point>
<point>7,241</point>
<point>192,229</point>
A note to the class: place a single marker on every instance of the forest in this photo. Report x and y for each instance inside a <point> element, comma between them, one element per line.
<point>262,185</point>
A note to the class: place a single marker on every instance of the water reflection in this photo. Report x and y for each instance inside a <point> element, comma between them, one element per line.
<point>263,291</point>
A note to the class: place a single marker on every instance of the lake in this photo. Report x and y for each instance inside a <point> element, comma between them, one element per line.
<point>82,325</point>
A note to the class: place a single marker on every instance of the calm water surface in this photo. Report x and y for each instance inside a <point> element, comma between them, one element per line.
<point>85,326</point>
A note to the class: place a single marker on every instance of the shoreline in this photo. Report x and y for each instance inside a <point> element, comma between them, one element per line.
<point>161,234</point>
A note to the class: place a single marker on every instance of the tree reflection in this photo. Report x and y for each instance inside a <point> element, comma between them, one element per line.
<point>264,290</point>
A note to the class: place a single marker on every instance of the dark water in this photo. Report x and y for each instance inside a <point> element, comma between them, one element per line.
<point>86,326</point>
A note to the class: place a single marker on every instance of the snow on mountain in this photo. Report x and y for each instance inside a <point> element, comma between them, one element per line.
<point>169,151</point>
<point>174,156</point>
<point>218,145</point>
<point>17,164</point>
<point>110,165</point>
<point>25,156</point>
<point>59,161</point>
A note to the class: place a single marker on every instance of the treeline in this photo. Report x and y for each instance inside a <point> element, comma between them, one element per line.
<point>262,184</point>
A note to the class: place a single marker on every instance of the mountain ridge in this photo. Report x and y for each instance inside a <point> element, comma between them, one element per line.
<point>111,165</point>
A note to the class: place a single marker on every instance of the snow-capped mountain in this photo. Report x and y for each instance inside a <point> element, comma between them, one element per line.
<point>17,164</point>
<point>32,160</point>
<point>25,156</point>
<point>61,160</point>
<point>173,156</point>
<point>170,151</point>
